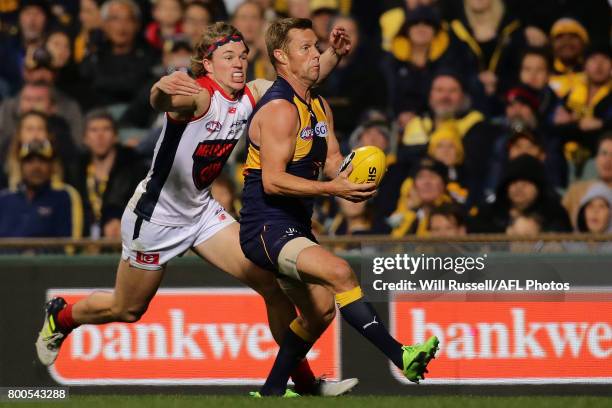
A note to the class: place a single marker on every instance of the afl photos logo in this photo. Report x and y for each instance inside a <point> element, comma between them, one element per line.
<point>306,133</point>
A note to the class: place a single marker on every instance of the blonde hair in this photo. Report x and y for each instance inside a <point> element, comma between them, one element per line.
<point>213,33</point>
<point>13,163</point>
<point>277,35</point>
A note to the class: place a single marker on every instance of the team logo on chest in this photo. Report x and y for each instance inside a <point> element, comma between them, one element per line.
<point>213,126</point>
<point>208,160</point>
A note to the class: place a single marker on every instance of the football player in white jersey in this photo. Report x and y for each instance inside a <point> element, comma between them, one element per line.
<point>172,209</point>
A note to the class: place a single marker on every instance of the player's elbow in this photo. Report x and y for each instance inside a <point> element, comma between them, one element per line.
<point>269,184</point>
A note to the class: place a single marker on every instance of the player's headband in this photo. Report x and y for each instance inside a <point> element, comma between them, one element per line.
<point>222,41</point>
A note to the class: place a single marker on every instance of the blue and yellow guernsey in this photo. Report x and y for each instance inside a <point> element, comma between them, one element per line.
<point>308,159</point>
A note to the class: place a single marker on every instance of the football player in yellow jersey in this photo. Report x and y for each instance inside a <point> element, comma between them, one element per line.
<point>291,140</point>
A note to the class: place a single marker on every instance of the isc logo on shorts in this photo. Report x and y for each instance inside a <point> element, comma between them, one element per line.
<point>147,259</point>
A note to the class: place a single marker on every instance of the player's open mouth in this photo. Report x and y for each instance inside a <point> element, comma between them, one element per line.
<point>238,76</point>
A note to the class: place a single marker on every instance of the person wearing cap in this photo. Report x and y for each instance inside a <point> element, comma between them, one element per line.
<point>39,208</point>
<point>569,40</point>
<point>522,116</point>
<point>355,85</point>
<point>425,189</point>
<point>523,190</point>
<point>416,52</point>
<point>322,13</point>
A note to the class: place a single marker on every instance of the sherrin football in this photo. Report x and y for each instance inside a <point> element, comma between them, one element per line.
<point>369,165</point>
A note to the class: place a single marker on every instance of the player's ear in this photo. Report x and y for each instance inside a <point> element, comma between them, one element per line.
<point>208,66</point>
<point>280,56</point>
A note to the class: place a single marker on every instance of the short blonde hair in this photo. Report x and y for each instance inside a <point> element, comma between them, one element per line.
<point>277,35</point>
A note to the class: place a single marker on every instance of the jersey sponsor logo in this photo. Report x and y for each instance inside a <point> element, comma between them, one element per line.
<point>213,126</point>
<point>321,129</point>
<point>175,343</point>
<point>147,259</point>
<point>306,133</point>
<point>232,110</point>
<point>208,160</point>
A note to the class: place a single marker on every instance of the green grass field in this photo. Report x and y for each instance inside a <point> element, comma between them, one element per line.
<point>182,401</point>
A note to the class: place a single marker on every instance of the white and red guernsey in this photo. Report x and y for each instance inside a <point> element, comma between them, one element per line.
<point>189,156</point>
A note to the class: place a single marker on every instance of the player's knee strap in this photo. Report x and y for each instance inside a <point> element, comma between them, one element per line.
<point>287,258</point>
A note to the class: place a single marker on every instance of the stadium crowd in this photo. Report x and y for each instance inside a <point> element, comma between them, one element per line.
<point>496,116</point>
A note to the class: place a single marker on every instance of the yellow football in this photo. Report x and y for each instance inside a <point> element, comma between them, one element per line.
<point>369,165</point>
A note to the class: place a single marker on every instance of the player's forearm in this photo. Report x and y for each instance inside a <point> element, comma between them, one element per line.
<point>286,184</point>
<point>160,101</point>
<point>328,61</point>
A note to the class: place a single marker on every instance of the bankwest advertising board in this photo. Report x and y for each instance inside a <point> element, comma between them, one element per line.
<point>511,342</point>
<point>187,336</point>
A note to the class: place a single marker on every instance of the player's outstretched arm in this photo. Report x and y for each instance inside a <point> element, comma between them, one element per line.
<point>179,93</point>
<point>339,46</point>
<point>276,147</point>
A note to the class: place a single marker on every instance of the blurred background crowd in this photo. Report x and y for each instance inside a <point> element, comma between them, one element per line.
<point>496,116</point>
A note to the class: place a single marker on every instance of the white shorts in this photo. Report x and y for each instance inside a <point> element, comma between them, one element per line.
<point>150,246</point>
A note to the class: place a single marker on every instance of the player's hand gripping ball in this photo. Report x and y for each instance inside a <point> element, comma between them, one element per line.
<point>369,165</point>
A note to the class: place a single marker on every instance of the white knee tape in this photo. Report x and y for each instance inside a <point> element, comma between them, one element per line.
<point>287,258</point>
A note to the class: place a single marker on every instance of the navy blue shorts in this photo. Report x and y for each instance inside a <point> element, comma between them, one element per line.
<point>264,243</point>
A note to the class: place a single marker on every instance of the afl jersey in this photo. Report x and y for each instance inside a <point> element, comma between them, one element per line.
<point>259,208</point>
<point>189,156</point>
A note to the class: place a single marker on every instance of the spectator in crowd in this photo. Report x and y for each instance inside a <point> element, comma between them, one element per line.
<point>322,12</point>
<point>595,211</point>
<point>249,20</point>
<point>522,108</point>
<point>416,52</point>
<point>371,133</point>
<point>119,67</point>
<point>91,34</point>
<point>348,101</point>
<point>448,104</point>
<point>177,56</point>
<point>446,147</point>
<point>351,219</point>
<point>523,191</point>
<point>569,39</point>
<point>224,191</point>
<point>491,41</point>
<point>39,73</point>
<point>34,18</point>
<point>196,17</point>
<point>298,8</point>
<point>525,142</point>
<point>105,176</point>
<point>34,126</point>
<point>35,97</point>
<point>419,194</point>
<point>65,71</point>
<point>39,208</point>
<point>167,16</point>
<point>603,165</point>
<point>447,220</point>
<point>587,110</point>
<point>527,225</point>
<point>535,71</point>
